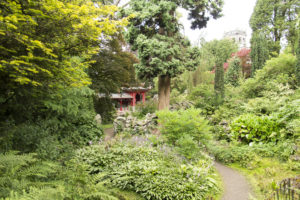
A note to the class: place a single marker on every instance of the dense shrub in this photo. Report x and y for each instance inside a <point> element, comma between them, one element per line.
<point>234,72</point>
<point>66,124</point>
<point>276,71</point>
<point>175,124</point>
<point>203,97</point>
<point>249,128</point>
<point>245,155</point>
<point>105,107</point>
<point>187,147</point>
<point>230,153</point>
<point>142,109</point>
<point>152,172</point>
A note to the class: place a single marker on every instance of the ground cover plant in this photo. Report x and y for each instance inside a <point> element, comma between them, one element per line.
<point>152,172</point>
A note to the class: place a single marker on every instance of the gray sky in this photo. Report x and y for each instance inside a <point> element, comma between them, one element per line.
<point>237,14</point>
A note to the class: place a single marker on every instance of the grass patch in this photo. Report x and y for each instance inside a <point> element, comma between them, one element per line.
<point>106,126</point>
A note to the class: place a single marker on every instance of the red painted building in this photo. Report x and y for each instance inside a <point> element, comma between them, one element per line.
<point>128,98</point>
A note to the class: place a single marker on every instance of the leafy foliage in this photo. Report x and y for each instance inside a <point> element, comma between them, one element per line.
<point>142,109</point>
<point>35,53</point>
<point>26,177</point>
<point>250,128</point>
<point>175,124</point>
<point>276,20</point>
<point>69,123</point>
<point>46,48</point>
<point>150,172</point>
<point>203,97</point>
<point>276,71</point>
<point>113,67</point>
<point>297,66</point>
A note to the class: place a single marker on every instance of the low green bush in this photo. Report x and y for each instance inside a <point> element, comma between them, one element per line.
<point>246,155</point>
<point>175,124</point>
<point>230,153</point>
<point>154,173</point>
<point>249,128</point>
<point>187,147</point>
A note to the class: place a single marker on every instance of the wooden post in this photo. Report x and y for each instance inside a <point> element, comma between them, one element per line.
<point>121,104</point>
<point>134,99</point>
<point>144,97</point>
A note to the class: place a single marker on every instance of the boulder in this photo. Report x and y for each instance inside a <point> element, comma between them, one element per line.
<point>98,119</point>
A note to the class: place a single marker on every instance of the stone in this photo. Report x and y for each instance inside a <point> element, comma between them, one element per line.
<point>135,126</point>
<point>98,119</point>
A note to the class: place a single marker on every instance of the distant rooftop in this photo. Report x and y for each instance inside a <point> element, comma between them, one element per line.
<point>134,89</point>
<point>235,32</point>
<point>116,95</point>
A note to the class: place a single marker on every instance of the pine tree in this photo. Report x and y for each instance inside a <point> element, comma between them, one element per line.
<point>259,51</point>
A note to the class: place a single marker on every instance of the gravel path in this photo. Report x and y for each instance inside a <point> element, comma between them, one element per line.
<point>235,185</point>
<point>109,133</point>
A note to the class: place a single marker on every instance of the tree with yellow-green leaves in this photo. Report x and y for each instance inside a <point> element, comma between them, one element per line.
<point>40,38</point>
<point>46,47</point>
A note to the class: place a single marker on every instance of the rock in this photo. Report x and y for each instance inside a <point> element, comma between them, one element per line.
<point>98,119</point>
<point>155,97</point>
<point>223,123</point>
<point>135,126</point>
<point>181,105</point>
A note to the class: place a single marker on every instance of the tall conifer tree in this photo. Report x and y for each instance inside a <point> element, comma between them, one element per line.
<point>259,52</point>
<point>155,34</point>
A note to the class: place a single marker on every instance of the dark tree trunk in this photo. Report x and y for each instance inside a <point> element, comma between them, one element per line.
<point>164,89</point>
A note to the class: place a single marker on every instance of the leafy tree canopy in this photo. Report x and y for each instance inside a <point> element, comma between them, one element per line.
<point>277,19</point>
<point>39,38</point>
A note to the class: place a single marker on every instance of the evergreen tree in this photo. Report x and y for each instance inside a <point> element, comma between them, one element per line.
<point>155,34</point>
<point>234,71</point>
<point>259,52</point>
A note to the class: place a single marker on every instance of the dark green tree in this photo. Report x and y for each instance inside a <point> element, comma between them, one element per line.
<point>259,52</point>
<point>220,50</point>
<point>234,72</point>
<point>277,19</point>
<point>113,68</point>
<point>155,34</point>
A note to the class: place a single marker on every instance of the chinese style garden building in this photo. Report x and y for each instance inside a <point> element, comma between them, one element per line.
<point>128,98</point>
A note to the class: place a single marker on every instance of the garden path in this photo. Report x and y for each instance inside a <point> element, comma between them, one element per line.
<point>109,133</point>
<point>235,185</point>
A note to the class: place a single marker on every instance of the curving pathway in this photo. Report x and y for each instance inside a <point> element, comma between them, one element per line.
<point>236,186</point>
